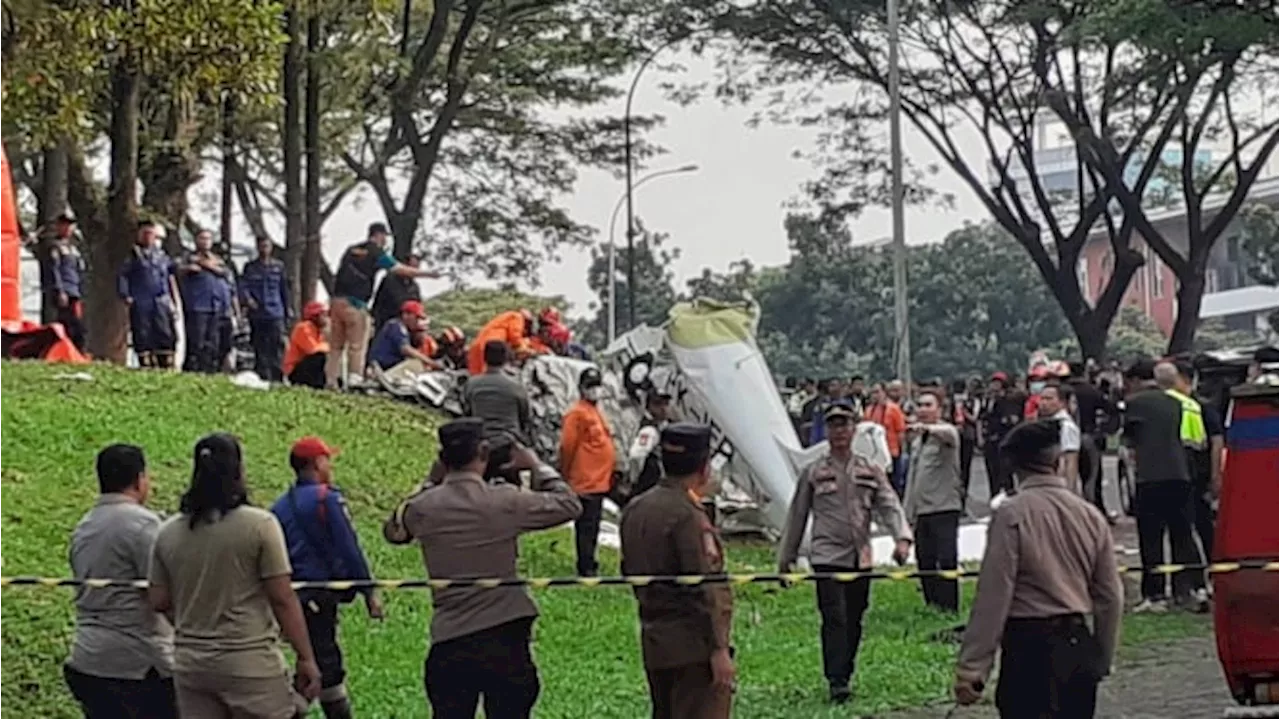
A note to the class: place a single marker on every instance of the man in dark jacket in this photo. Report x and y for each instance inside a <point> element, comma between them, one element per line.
<point>322,547</point>
<point>65,270</point>
<point>264,293</point>
<point>393,292</point>
<point>202,273</point>
<point>497,398</point>
<point>352,289</point>
<point>146,285</point>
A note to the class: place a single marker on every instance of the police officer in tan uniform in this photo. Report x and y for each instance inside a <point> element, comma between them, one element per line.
<point>469,527</point>
<point>684,630</point>
<point>1049,562</point>
<point>841,489</point>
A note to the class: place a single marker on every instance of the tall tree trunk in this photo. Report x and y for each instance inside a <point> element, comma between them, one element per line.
<point>1190,292</point>
<point>310,271</point>
<point>227,197</point>
<point>50,202</point>
<point>292,136</point>
<point>171,169</point>
<point>108,316</point>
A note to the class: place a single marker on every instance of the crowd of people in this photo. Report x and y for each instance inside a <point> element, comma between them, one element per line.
<point>361,333</point>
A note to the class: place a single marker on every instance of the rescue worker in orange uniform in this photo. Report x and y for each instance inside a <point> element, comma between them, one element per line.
<point>308,348</point>
<point>684,630</point>
<point>517,329</point>
<point>587,463</point>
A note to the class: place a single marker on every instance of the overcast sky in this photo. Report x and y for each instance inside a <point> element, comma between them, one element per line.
<point>731,208</point>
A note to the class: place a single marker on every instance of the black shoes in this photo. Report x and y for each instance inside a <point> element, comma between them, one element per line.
<point>840,694</point>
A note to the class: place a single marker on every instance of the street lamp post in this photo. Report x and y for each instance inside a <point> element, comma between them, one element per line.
<point>613,252</point>
<point>902,329</point>
<point>631,225</point>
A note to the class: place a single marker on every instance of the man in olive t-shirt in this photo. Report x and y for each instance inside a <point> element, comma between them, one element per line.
<point>226,644</point>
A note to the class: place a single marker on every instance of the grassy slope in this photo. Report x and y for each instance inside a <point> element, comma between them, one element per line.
<point>586,640</point>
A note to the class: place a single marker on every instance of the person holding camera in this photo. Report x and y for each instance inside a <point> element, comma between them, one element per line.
<point>469,528</point>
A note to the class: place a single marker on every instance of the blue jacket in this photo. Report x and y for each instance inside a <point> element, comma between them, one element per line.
<point>144,276</point>
<point>201,290</point>
<point>265,283</point>
<point>317,529</point>
<point>66,267</point>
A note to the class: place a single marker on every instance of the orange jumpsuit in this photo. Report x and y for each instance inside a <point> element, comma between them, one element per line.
<point>508,327</point>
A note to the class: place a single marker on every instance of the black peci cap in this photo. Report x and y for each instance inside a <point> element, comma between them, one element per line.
<point>378,228</point>
<point>461,432</point>
<point>1029,439</point>
<point>686,438</point>
<point>590,377</point>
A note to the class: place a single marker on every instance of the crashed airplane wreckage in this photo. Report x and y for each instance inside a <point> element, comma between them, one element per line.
<point>706,358</point>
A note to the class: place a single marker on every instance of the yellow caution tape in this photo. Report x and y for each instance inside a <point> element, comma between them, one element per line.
<point>689,580</point>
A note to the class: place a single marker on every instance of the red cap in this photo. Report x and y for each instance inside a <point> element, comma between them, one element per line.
<point>311,447</point>
<point>1000,377</point>
<point>559,333</point>
<point>413,307</point>
<point>549,315</point>
<point>313,310</point>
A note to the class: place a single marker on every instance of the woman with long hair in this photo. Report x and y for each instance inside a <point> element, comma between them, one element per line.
<point>220,570</point>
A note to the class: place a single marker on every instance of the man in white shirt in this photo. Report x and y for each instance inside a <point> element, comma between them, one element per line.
<point>121,662</point>
<point>1054,400</point>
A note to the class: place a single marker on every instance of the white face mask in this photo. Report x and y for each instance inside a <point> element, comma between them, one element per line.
<point>1035,387</point>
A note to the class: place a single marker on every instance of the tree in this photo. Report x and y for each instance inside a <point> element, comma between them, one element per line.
<point>1258,242</point>
<point>655,286</point>
<point>470,309</point>
<point>466,111</point>
<point>996,68</point>
<point>76,87</point>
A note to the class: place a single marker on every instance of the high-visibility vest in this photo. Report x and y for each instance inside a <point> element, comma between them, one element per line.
<point>1192,429</point>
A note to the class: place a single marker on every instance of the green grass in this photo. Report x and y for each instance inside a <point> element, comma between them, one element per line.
<point>586,640</point>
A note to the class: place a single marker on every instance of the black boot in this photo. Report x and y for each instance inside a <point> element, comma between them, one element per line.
<point>337,709</point>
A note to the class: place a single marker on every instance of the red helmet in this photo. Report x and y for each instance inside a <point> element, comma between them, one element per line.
<point>452,336</point>
<point>559,334</point>
<point>549,316</point>
<point>314,310</point>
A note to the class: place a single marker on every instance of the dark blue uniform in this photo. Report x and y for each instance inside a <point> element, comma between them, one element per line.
<point>144,279</point>
<point>264,290</point>
<point>322,547</point>
<point>202,309</point>
<point>66,269</point>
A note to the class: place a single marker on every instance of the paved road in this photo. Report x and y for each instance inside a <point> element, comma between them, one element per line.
<point>1168,680</point>
<point>980,497</point>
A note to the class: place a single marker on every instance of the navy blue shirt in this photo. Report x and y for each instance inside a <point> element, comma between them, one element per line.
<point>144,277</point>
<point>223,291</point>
<point>386,351</point>
<point>201,290</point>
<point>66,267</point>
<point>264,282</point>
<point>317,529</point>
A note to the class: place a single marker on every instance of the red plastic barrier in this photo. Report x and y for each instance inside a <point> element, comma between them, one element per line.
<point>1247,603</point>
<point>10,243</point>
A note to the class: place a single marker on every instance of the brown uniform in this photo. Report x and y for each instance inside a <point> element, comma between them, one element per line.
<point>664,532</point>
<point>1049,562</point>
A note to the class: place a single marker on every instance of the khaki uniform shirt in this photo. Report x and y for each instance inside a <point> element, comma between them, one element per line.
<point>118,636</point>
<point>469,529</point>
<point>222,616</point>
<point>842,503</point>
<point>933,480</point>
<point>1049,554</point>
<point>665,533</point>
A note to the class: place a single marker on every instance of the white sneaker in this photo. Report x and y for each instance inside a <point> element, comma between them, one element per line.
<point>1201,600</point>
<point>1148,606</point>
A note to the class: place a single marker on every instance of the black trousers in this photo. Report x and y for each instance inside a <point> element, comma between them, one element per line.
<point>309,372</point>
<point>841,605</point>
<point>1166,507</point>
<point>320,610</point>
<point>202,342</point>
<point>936,548</point>
<point>265,334</point>
<point>226,338</point>
<point>586,533</point>
<point>1049,669</point>
<point>495,663</point>
<point>151,697</point>
<point>967,447</point>
<point>999,474</point>
<point>1202,515</point>
<point>71,319</point>
<point>1092,449</point>
<point>152,326</point>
